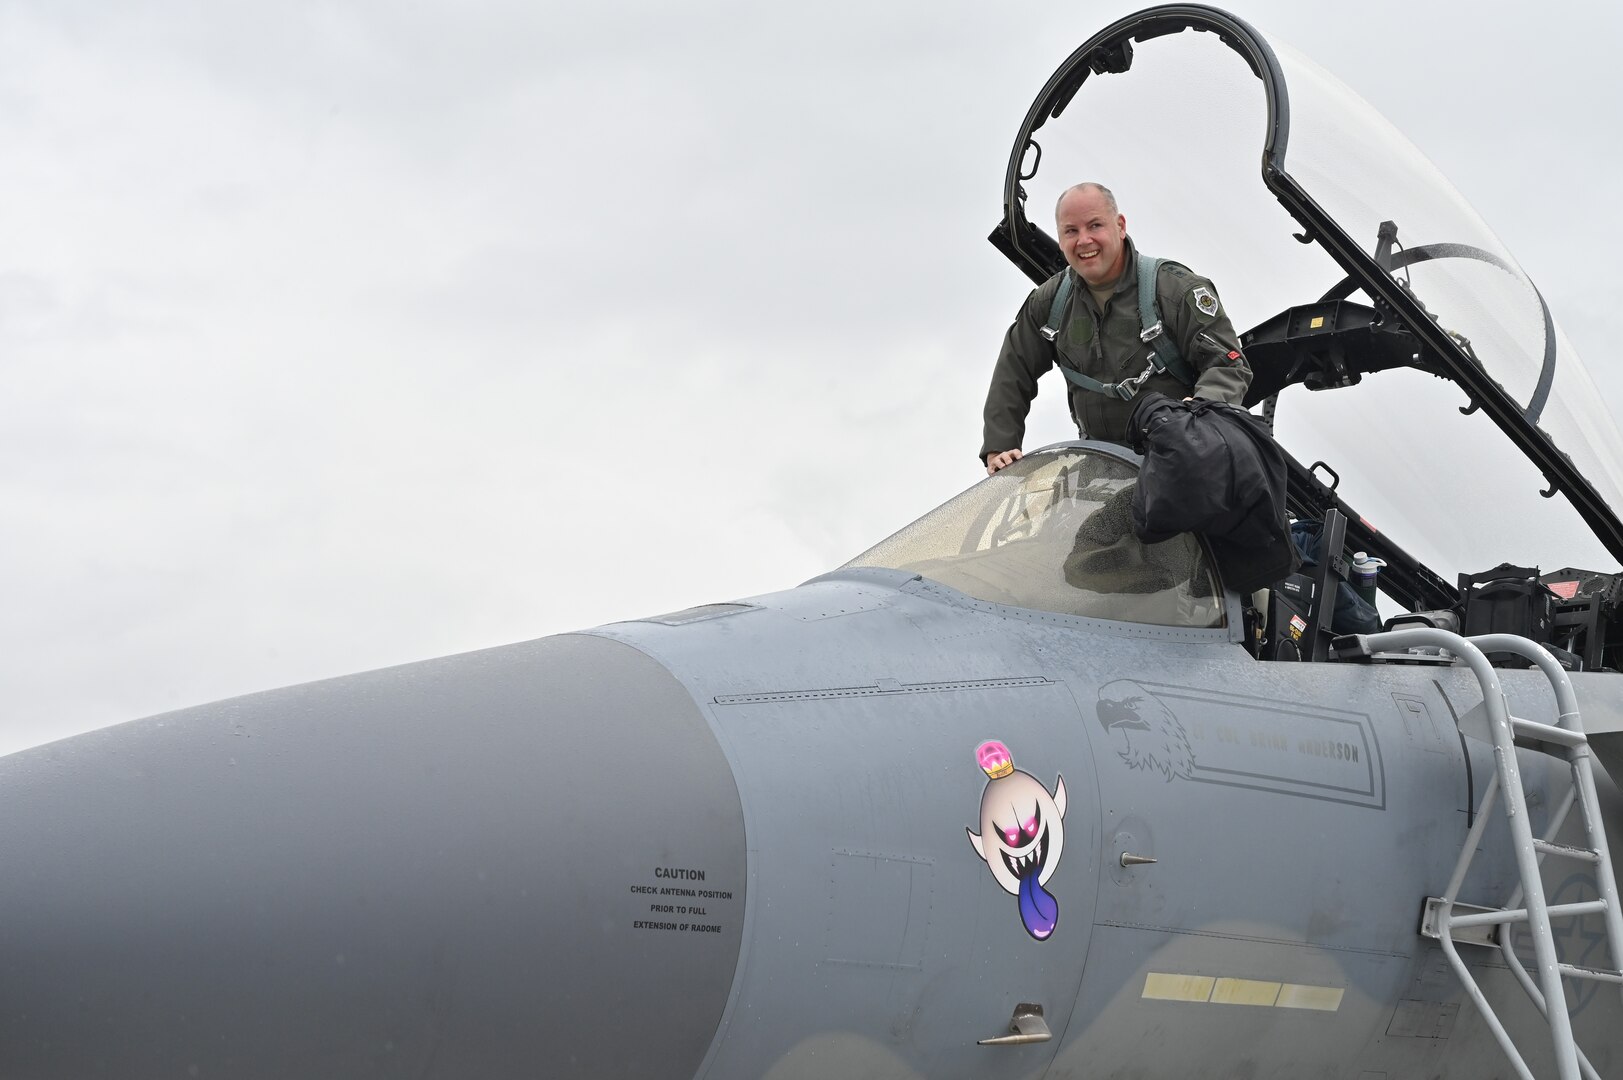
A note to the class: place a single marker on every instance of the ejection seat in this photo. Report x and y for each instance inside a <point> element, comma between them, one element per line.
<point>1294,622</point>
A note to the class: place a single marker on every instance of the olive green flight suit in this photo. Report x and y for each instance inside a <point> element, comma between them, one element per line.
<point>1105,345</point>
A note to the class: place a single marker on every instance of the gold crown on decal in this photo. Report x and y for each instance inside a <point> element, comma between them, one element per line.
<point>995,759</point>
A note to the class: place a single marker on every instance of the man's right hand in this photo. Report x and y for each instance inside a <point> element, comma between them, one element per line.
<point>1003,460</point>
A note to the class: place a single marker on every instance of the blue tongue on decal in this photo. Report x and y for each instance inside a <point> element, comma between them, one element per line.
<point>1038,908</point>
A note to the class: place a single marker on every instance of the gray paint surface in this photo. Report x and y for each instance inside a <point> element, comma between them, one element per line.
<point>1310,811</point>
<point>422,871</point>
<point>439,870</point>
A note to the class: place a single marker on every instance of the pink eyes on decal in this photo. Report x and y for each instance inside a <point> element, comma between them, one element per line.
<point>1014,837</point>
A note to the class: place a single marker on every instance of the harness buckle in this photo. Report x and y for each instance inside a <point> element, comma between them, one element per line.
<point>1149,334</point>
<point>1128,388</point>
<point>1049,333</point>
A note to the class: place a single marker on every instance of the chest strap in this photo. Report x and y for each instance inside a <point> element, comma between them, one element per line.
<point>1164,356</point>
<point>1056,310</point>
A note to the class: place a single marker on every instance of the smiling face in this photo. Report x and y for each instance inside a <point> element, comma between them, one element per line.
<point>1091,234</point>
<point>1022,829</point>
<point>1025,845</point>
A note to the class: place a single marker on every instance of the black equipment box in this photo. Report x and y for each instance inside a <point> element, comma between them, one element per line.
<point>1512,600</point>
<point>1290,611</point>
<point>1588,623</point>
<point>1507,600</point>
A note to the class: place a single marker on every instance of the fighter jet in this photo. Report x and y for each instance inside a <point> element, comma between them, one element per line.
<point>1010,794</point>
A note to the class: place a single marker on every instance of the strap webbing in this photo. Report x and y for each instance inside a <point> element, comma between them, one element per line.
<point>1163,350</point>
<point>1056,311</point>
<point>1164,355</point>
<point>1109,389</point>
<point>1057,308</point>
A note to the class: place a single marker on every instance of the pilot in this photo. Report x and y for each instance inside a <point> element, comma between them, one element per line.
<point>1112,334</point>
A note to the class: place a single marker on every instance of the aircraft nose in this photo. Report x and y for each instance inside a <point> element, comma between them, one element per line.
<point>444,869</point>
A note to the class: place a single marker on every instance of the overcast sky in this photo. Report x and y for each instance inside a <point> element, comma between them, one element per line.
<point>335,336</point>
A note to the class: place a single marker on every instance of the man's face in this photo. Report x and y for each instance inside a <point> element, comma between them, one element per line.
<point>1091,235</point>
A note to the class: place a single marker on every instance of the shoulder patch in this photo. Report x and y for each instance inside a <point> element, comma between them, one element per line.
<point>1204,301</point>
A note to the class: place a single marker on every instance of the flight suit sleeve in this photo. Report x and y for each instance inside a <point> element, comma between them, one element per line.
<point>1025,355</point>
<point>1196,316</point>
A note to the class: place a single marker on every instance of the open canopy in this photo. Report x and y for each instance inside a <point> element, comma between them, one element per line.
<point>1461,420</point>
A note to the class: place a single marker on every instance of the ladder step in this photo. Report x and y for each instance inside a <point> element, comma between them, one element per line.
<point>1547,733</point>
<point>1489,917</point>
<point>1567,851</point>
<point>1598,974</point>
<point>1564,740</point>
<point>1512,915</point>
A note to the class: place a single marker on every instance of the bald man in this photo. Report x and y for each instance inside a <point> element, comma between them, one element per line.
<point>1096,335</point>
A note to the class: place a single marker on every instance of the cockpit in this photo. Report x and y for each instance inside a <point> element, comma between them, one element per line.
<point>1053,532</point>
<point>1405,362</point>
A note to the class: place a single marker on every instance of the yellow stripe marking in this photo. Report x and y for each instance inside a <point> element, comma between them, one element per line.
<point>1207,989</point>
<point>1177,987</point>
<point>1321,998</point>
<point>1244,992</point>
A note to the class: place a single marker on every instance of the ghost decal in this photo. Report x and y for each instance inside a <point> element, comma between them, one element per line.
<point>1022,835</point>
<point>1146,733</point>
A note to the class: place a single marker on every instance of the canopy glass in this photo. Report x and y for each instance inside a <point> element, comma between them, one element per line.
<point>1178,136</point>
<point>1052,532</point>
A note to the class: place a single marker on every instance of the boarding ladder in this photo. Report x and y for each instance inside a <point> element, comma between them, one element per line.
<point>1491,722</point>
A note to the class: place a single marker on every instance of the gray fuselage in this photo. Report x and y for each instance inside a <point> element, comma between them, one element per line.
<point>731,843</point>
